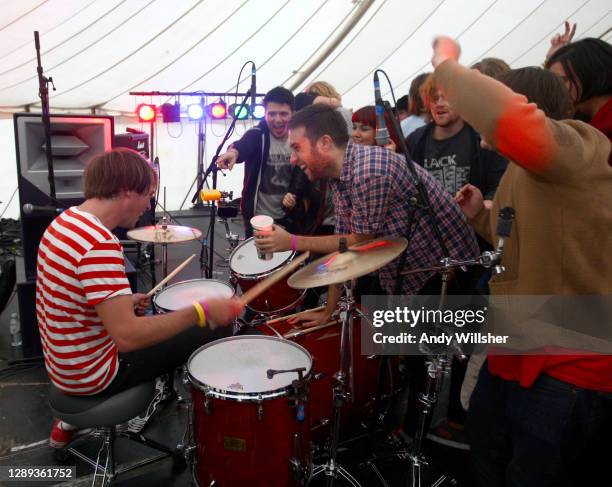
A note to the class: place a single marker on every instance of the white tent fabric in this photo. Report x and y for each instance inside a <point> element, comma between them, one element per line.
<point>98,51</point>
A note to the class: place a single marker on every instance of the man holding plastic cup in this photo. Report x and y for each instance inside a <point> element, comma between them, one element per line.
<point>371,190</point>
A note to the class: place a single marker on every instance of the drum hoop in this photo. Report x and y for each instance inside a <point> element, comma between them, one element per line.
<point>286,308</point>
<point>159,292</point>
<point>240,396</point>
<point>244,396</point>
<point>256,277</point>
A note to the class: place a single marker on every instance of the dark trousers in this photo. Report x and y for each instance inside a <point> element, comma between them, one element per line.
<point>550,434</point>
<point>147,364</point>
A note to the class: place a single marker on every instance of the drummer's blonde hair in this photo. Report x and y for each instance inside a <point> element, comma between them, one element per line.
<point>117,170</point>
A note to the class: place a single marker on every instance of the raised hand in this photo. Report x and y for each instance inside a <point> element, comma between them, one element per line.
<point>444,48</point>
<point>559,40</point>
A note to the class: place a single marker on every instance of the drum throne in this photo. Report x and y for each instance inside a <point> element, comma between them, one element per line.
<point>102,414</point>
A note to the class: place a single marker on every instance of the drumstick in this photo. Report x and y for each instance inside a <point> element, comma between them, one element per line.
<point>283,318</point>
<point>171,275</point>
<point>269,281</point>
<point>305,331</point>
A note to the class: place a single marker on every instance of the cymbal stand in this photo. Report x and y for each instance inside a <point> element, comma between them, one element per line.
<point>331,469</point>
<point>439,363</point>
<point>233,239</point>
<point>165,221</point>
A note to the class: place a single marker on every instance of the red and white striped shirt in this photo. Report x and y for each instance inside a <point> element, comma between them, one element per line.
<point>80,264</point>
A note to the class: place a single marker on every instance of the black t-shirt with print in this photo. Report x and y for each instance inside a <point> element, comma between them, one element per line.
<point>449,160</point>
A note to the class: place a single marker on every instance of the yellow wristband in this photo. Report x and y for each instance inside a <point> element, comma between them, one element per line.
<point>201,314</point>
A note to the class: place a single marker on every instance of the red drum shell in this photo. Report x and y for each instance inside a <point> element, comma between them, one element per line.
<point>243,438</point>
<point>324,346</point>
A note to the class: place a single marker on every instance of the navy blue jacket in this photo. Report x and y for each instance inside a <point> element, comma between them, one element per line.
<point>254,149</point>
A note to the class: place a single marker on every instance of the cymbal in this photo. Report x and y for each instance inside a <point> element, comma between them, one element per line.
<point>357,261</point>
<point>164,234</point>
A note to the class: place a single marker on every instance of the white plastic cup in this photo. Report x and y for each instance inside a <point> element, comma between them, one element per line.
<point>262,222</point>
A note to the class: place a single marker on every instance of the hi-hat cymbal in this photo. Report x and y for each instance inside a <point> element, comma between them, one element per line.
<point>357,261</point>
<point>164,234</point>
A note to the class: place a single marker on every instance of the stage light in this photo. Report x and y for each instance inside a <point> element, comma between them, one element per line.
<point>171,113</point>
<point>259,111</point>
<point>236,112</point>
<point>217,110</point>
<point>195,111</point>
<point>145,112</point>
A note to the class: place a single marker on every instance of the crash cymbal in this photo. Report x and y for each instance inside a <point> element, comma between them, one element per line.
<point>164,234</point>
<point>357,261</point>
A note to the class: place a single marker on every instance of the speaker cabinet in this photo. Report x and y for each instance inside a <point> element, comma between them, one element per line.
<point>138,141</point>
<point>75,139</point>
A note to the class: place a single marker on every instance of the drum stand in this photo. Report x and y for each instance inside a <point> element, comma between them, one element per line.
<point>164,246</point>
<point>331,469</point>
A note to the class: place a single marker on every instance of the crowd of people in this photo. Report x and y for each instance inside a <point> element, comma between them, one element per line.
<point>535,138</point>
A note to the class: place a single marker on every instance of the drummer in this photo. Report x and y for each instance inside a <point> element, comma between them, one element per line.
<point>93,338</point>
<point>371,189</point>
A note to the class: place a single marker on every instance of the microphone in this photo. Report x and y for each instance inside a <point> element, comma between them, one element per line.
<point>382,134</point>
<point>504,226</point>
<point>30,209</point>
<point>214,194</point>
<point>253,85</point>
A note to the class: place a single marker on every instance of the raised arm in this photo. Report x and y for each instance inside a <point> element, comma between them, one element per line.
<point>507,121</point>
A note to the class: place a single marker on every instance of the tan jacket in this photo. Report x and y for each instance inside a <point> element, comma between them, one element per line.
<point>560,185</point>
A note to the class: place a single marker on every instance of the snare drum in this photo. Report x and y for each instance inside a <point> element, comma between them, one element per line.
<point>183,294</point>
<point>247,270</point>
<point>250,430</point>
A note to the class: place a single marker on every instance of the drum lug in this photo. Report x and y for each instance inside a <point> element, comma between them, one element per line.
<point>207,403</point>
<point>318,376</point>
<point>371,357</point>
<point>260,410</point>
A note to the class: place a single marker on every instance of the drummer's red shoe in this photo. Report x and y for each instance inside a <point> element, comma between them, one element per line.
<point>61,434</point>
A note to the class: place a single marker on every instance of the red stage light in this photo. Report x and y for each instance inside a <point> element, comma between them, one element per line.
<point>217,110</point>
<point>145,112</point>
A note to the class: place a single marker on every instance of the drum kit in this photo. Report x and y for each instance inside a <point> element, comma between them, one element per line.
<point>266,398</point>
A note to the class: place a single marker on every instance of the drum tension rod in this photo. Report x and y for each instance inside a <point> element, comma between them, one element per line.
<point>299,390</point>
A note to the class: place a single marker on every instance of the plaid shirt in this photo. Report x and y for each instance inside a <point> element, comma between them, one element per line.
<point>372,198</point>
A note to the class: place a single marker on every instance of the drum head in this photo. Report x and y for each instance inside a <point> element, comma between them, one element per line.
<point>183,294</point>
<point>244,260</point>
<point>238,365</point>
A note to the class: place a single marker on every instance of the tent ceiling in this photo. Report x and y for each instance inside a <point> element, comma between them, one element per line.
<point>98,51</point>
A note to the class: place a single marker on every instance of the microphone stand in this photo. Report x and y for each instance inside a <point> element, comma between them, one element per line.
<point>213,168</point>
<point>437,364</point>
<point>43,93</point>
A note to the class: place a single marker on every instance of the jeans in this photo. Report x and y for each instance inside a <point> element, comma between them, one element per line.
<point>550,434</point>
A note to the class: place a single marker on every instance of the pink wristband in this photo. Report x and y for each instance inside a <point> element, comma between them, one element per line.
<point>294,242</point>
<point>204,305</point>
